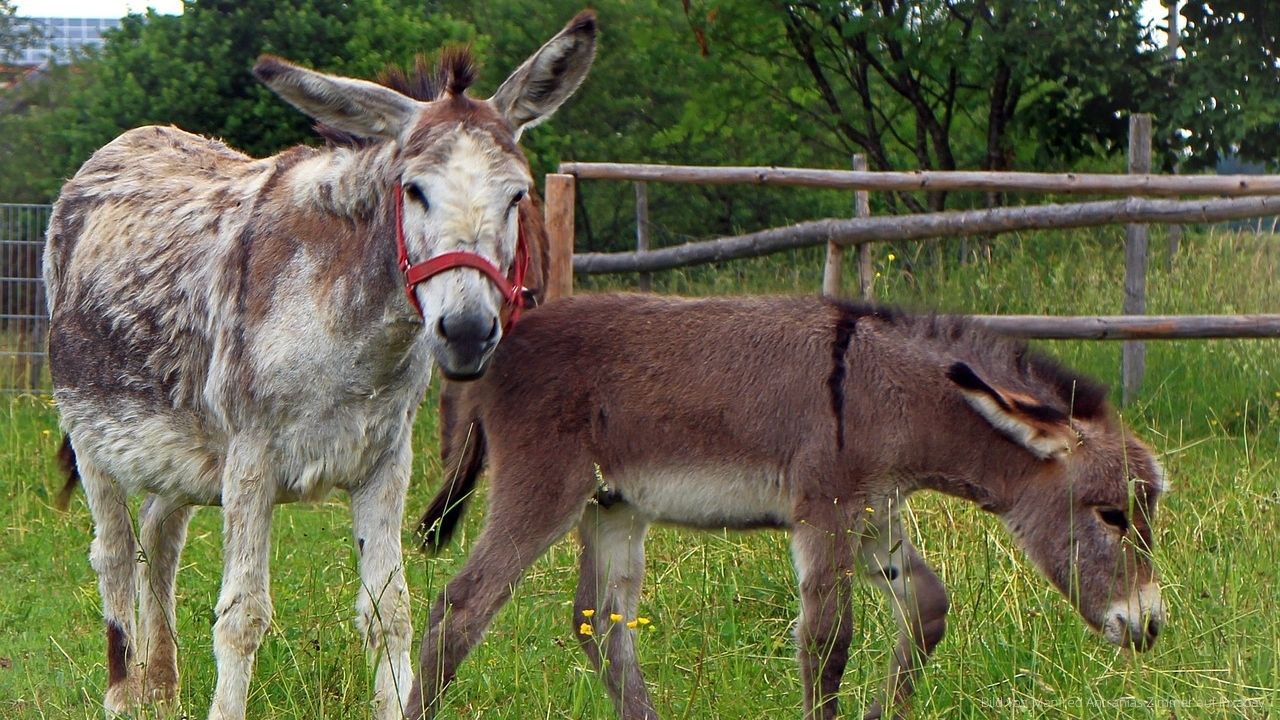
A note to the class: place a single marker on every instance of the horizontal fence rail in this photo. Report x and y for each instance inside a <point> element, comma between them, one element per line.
<point>1133,327</point>
<point>934,180</point>
<point>925,226</point>
<point>1235,197</point>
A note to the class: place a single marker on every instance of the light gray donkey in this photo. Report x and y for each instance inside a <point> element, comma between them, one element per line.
<point>245,332</point>
<point>801,414</point>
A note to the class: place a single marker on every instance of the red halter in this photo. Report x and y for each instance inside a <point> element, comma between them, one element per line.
<point>512,288</point>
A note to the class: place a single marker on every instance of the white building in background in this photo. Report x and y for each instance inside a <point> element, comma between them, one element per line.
<point>63,38</point>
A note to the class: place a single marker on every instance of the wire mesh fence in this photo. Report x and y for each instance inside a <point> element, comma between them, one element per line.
<point>24,321</point>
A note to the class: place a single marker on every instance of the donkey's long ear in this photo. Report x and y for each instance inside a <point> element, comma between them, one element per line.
<point>356,106</point>
<point>1044,430</point>
<point>539,86</point>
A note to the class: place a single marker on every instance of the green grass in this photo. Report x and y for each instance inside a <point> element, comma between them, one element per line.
<point>722,603</point>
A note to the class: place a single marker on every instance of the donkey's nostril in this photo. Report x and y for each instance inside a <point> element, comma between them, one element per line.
<point>1153,628</point>
<point>468,328</point>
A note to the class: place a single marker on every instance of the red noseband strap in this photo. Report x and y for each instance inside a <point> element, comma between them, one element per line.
<point>512,288</point>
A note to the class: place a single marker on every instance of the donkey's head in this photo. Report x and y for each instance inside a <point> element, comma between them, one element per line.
<point>455,177</point>
<point>1085,509</point>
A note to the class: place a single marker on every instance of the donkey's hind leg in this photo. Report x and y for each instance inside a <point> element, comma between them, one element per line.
<point>918,598</point>
<point>164,533</point>
<point>612,568</point>
<point>524,520</point>
<point>823,551</point>
<point>113,555</point>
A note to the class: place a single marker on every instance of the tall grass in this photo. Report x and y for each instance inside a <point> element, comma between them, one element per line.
<point>721,604</point>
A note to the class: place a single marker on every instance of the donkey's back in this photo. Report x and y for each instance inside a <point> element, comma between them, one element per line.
<point>153,195</point>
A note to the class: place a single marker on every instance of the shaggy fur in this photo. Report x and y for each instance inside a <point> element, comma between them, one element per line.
<point>718,413</point>
<point>234,331</point>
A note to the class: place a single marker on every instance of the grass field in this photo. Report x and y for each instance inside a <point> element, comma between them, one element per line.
<point>722,604</point>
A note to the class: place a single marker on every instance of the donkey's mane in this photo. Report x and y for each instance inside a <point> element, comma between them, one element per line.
<point>1004,359</point>
<point>453,73</point>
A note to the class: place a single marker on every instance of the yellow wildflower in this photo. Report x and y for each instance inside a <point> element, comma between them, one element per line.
<point>588,613</point>
<point>642,620</point>
<point>585,629</point>
<point>892,257</point>
<point>633,624</point>
<point>615,617</point>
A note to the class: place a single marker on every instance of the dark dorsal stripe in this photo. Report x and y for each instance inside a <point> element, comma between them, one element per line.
<point>847,316</point>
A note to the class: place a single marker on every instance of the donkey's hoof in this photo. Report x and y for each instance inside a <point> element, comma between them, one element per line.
<point>123,697</point>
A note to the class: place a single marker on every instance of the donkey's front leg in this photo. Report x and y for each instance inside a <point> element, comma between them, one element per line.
<point>611,570</point>
<point>244,603</point>
<point>382,608</point>
<point>824,556</point>
<point>520,528</point>
<point>919,603</point>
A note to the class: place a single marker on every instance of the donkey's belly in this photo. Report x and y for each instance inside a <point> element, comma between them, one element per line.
<point>711,496</point>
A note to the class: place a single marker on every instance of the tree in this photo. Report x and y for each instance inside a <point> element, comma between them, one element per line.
<point>16,33</point>
<point>654,96</point>
<point>944,84</point>
<point>193,71</point>
<point>1226,94</point>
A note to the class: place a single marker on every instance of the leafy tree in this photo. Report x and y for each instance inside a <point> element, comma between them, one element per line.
<point>945,84</point>
<point>1226,92</point>
<point>16,33</point>
<point>193,71</point>
<point>654,96</point>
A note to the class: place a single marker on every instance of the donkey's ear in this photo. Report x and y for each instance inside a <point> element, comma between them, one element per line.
<point>539,86</point>
<point>356,106</point>
<point>1041,429</point>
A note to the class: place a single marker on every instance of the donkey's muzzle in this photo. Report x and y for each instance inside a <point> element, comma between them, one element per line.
<point>467,342</point>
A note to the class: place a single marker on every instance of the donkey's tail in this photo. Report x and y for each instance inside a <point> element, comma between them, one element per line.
<point>462,452</point>
<point>67,462</point>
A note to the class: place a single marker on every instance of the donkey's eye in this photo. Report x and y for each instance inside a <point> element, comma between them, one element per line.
<point>415,194</point>
<point>515,199</point>
<point>1114,517</point>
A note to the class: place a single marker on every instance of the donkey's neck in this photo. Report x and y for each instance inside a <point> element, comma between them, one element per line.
<point>348,182</point>
<point>972,463</point>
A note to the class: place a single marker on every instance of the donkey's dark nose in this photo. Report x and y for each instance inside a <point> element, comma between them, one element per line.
<point>469,340</point>
<point>468,328</point>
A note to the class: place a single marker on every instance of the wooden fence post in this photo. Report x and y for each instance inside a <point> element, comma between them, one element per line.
<point>862,209</point>
<point>1133,356</point>
<point>645,280</point>
<point>833,268</point>
<point>560,191</point>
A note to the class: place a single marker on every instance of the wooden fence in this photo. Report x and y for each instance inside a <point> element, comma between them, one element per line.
<point>1234,197</point>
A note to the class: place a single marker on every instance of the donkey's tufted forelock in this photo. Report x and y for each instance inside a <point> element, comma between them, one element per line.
<point>452,73</point>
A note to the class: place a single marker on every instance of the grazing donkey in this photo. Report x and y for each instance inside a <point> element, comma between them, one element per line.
<point>805,414</point>
<point>247,332</point>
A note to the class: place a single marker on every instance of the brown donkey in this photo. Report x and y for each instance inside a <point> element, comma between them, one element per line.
<point>244,332</point>
<point>804,414</point>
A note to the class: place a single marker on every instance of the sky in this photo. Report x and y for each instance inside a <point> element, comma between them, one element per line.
<point>94,8</point>
<point>120,8</point>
